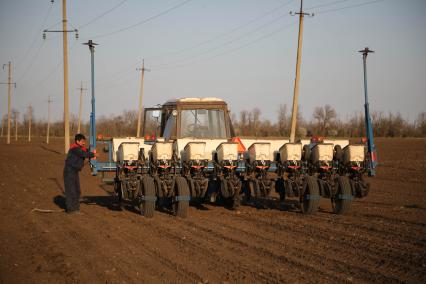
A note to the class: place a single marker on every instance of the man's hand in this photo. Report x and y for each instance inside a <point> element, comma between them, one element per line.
<point>95,154</point>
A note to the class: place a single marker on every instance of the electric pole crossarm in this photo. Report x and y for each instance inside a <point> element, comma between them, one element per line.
<point>60,31</point>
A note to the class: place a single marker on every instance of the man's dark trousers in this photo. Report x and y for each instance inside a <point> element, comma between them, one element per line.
<point>72,189</point>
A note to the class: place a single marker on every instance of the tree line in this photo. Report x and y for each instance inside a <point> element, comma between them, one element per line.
<point>324,122</point>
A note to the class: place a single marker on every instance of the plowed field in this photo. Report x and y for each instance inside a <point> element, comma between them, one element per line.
<point>382,239</point>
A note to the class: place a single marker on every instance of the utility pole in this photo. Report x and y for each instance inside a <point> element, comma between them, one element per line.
<point>30,113</point>
<point>80,106</point>
<point>143,69</point>
<point>368,126</point>
<point>9,97</point>
<point>296,81</point>
<point>16,116</point>
<point>64,32</point>
<point>48,120</point>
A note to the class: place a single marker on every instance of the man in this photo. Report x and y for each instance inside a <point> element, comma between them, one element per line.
<point>73,164</point>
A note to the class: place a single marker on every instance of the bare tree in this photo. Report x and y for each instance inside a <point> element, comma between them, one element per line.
<point>255,114</point>
<point>421,124</point>
<point>283,120</point>
<point>243,122</point>
<point>3,126</point>
<point>324,117</point>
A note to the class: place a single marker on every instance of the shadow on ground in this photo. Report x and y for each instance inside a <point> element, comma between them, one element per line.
<point>50,150</point>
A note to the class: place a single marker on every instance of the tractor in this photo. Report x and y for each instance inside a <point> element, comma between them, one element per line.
<point>189,154</point>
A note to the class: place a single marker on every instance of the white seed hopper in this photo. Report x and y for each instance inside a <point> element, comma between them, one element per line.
<point>291,152</point>
<point>353,153</point>
<point>322,152</point>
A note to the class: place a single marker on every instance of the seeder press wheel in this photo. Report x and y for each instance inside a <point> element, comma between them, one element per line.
<point>147,202</point>
<point>230,192</point>
<point>181,202</point>
<point>309,200</point>
<point>342,200</point>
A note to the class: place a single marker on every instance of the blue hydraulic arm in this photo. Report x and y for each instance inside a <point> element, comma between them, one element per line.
<point>93,162</point>
<point>368,126</point>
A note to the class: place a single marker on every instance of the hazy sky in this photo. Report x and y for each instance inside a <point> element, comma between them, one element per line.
<point>243,51</point>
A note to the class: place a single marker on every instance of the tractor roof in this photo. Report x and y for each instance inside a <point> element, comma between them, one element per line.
<point>197,101</point>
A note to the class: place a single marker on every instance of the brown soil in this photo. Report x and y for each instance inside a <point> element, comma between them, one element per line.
<point>382,239</point>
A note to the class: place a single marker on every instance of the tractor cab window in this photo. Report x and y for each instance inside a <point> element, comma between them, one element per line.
<point>170,127</point>
<point>203,123</point>
<point>152,124</point>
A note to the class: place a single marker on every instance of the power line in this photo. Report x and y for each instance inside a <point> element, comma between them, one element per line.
<point>34,58</point>
<point>232,30</point>
<point>230,41</point>
<point>163,66</point>
<point>19,61</point>
<point>52,72</point>
<point>102,15</point>
<point>274,32</point>
<point>326,4</point>
<point>349,7</point>
<point>143,21</point>
<point>268,35</point>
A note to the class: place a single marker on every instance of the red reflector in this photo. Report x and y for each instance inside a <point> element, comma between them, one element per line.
<point>294,167</point>
<point>229,167</point>
<point>197,167</point>
<point>317,139</point>
<point>262,167</point>
<point>373,156</point>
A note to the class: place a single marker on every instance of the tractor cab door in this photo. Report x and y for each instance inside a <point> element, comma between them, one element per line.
<point>152,124</point>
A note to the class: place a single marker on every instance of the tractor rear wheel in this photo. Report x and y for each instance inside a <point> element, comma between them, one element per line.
<point>147,204</point>
<point>342,200</point>
<point>309,201</point>
<point>181,204</point>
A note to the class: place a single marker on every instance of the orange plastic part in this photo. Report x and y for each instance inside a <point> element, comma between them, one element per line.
<point>241,147</point>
